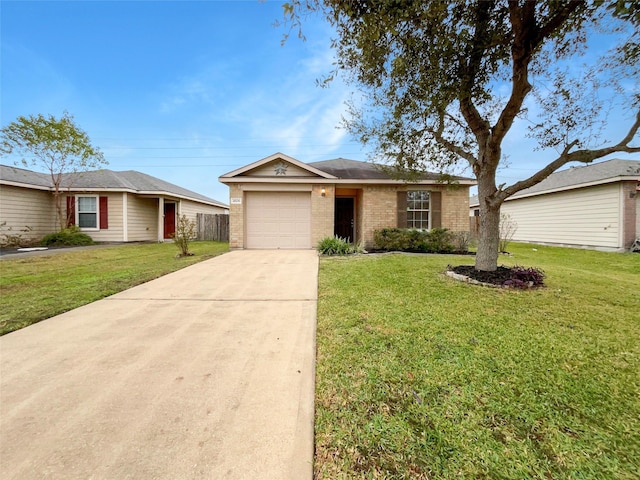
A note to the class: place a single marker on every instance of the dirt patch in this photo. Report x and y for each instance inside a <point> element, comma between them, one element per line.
<point>501,275</point>
<point>513,277</point>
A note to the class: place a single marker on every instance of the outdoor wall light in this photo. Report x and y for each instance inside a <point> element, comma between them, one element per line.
<point>323,192</point>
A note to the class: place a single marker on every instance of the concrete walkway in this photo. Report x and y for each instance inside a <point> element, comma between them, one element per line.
<point>205,373</point>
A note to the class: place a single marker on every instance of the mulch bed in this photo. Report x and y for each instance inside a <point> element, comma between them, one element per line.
<point>501,275</point>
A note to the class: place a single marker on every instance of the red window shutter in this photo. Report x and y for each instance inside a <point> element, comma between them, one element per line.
<point>104,213</point>
<point>71,211</point>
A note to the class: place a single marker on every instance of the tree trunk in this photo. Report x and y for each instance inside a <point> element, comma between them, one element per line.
<point>57,199</point>
<point>489,232</point>
<point>488,239</point>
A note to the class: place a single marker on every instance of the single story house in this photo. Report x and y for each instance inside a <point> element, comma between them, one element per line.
<point>593,206</point>
<point>108,206</point>
<point>281,202</point>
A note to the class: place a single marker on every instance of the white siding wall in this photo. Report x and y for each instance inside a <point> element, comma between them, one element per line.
<point>190,209</point>
<point>115,232</point>
<point>588,217</point>
<point>25,207</point>
<point>142,219</point>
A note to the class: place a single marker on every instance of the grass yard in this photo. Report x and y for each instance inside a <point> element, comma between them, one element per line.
<point>423,377</point>
<point>36,288</point>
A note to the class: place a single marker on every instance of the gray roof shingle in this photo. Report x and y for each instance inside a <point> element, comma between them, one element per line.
<point>356,170</point>
<point>579,175</point>
<point>20,175</point>
<point>108,179</point>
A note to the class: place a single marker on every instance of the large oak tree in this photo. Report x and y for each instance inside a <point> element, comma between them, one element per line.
<point>446,82</point>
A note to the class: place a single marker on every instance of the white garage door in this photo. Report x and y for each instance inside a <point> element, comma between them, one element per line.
<point>278,219</point>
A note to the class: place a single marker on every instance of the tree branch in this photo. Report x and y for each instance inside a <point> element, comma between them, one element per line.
<point>469,71</point>
<point>527,37</point>
<point>584,156</point>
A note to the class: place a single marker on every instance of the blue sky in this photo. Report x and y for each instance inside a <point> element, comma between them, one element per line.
<point>187,91</point>
<point>184,91</point>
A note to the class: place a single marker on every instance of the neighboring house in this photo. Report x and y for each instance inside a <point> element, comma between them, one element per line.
<point>280,202</point>
<point>108,206</point>
<point>592,206</point>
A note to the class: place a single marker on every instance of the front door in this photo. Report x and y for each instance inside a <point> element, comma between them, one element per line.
<point>344,218</point>
<point>169,220</point>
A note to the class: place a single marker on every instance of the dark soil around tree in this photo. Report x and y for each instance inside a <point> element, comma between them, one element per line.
<point>501,275</point>
<point>512,277</point>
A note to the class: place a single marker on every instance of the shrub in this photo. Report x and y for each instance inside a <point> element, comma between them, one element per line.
<point>11,238</point>
<point>68,237</point>
<point>337,246</point>
<point>525,277</point>
<point>508,227</point>
<point>436,240</point>
<point>439,240</point>
<point>399,239</point>
<point>461,241</point>
<point>185,232</point>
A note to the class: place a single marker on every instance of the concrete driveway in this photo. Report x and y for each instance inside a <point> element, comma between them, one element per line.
<point>207,372</point>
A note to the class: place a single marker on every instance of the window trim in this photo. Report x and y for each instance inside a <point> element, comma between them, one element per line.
<point>429,211</point>
<point>97,213</point>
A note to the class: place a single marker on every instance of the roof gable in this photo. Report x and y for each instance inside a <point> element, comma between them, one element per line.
<point>277,165</point>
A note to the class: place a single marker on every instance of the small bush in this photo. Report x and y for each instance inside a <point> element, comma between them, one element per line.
<point>461,241</point>
<point>337,246</point>
<point>525,277</point>
<point>508,228</point>
<point>68,237</point>
<point>401,239</point>
<point>439,240</point>
<point>11,238</point>
<point>185,232</point>
<point>436,240</point>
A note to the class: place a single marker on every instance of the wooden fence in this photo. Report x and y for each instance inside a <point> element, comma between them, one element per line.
<point>213,227</point>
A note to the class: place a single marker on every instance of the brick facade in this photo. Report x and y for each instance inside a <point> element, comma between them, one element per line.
<point>376,208</point>
<point>236,217</point>
<point>455,207</point>
<point>379,210</point>
<point>322,212</point>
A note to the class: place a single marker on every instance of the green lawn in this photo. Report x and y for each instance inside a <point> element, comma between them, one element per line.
<point>423,377</point>
<point>36,288</point>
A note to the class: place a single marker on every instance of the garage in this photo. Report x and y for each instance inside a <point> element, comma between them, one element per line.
<point>278,219</point>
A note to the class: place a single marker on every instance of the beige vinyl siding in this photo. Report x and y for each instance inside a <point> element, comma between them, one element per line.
<point>142,218</point>
<point>115,232</point>
<point>191,209</point>
<point>588,217</point>
<point>25,207</point>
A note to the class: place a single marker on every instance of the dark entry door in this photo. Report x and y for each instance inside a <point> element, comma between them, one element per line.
<point>169,220</point>
<point>344,218</point>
